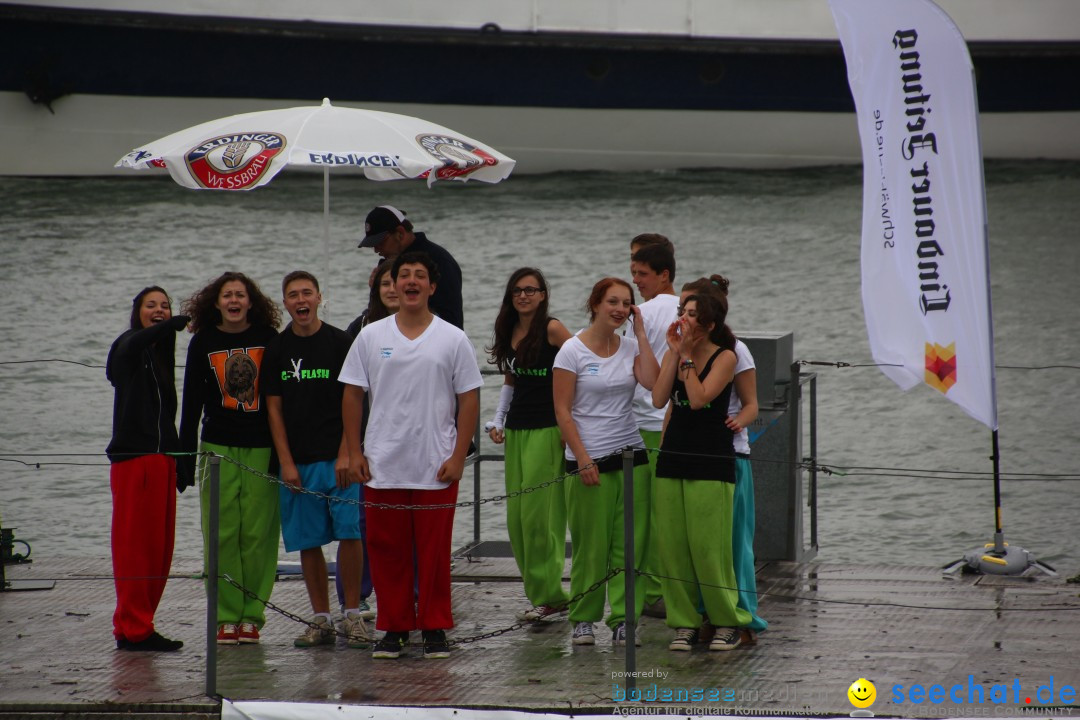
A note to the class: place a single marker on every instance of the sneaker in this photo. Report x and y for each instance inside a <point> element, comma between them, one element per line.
<point>726,639</point>
<point>228,634</point>
<point>248,634</point>
<point>618,636</point>
<point>583,634</point>
<point>684,640</point>
<point>655,609</point>
<point>390,646</point>
<point>435,645</point>
<point>153,643</point>
<point>357,631</point>
<point>319,632</point>
<point>538,613</point>
<point>366,611</point>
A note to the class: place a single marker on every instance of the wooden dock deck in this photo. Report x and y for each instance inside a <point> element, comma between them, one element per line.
<point>830,624</point>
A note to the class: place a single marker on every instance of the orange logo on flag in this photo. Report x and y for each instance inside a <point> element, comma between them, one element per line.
<point>941,366</point>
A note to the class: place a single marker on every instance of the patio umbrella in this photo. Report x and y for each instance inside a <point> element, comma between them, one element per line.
<point>246,151</point>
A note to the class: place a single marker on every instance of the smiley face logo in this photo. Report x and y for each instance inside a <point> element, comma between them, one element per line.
<point>862,693</point>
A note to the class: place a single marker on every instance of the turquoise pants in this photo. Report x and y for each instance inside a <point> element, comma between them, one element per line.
<point>742,542</point>
<point>248,531</point>
<point>595,516</point>
<point>536,521</point>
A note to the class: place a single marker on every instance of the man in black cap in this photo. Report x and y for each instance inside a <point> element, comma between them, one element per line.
<point>389,233</point>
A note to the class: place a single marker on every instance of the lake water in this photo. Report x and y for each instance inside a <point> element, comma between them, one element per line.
<point>76,251</point>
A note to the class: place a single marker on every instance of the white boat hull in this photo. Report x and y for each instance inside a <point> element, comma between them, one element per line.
<point>89,133</point>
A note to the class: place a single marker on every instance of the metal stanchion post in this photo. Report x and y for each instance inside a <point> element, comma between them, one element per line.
<point>476,485</point>
<point>212,576</point>
<point>628,571</point>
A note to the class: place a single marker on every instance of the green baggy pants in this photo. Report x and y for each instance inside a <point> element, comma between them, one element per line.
<point>595,516</point>
<point>695,547</point>
<point>536,521</point>
<point>249,529</point>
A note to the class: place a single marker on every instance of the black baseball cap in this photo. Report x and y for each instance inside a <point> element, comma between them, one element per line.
<point>379,222</point>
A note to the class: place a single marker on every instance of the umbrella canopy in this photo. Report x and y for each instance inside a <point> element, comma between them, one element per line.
<point>241,152</point>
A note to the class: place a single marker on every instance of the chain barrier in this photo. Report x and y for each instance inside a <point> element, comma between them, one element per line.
<point>456,641</point>
<point>397,506</point>
<point>807,463</point>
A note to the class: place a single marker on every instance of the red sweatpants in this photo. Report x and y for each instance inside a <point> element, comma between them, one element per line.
<point>143,531</point>
<point>392,538</point>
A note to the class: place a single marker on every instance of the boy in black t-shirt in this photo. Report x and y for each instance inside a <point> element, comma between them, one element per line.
<point>318,504</point>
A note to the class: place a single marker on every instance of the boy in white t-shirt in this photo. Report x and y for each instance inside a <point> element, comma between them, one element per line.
<point>422,377</point>
<point>652,267</point>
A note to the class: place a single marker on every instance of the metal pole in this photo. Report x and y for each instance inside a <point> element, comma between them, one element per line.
<point>212,575</point>
<point>628,566</point>
<point>999,535</point>
<point>794,472</point>
<point>813,466</point>
<point>326,242</point>
<point>476,481</point>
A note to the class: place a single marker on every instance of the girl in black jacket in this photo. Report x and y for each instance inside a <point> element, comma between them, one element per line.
<point>143,477</point>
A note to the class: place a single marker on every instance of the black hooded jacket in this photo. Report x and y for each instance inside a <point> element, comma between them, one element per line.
<point>144,402</point>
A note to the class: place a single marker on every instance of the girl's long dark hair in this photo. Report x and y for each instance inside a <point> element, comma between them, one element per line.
<point>529,348</point>
<point>136,304</point>
<point>712,308</point>
<point>201,306</point>
<point>377,310</point>
<point>164,350</point>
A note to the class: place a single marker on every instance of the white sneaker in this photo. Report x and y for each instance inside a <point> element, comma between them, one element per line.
<point>319,632</point>
<point>356,629</point>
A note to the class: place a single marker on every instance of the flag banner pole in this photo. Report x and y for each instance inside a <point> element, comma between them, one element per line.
<point>925,242</point>
<point>925,270</point>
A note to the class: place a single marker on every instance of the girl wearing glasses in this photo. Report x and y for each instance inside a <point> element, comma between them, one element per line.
<point>695,474</point>
<point>523,348</point>
<point>595,374</point>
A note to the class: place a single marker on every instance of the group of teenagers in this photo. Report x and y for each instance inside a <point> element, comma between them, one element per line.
<point>368,431</point>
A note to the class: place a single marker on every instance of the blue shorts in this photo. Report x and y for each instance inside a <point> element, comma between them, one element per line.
<point>309,521</point>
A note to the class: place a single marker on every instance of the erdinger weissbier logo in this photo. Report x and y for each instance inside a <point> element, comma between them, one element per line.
<point>233,162</point>
<point>941,366</point>
<point>458,158</point>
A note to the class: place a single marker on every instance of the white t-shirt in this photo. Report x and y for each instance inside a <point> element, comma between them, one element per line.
<point>743,361</point>
<point>413,387</point>
<point>658,315</point>
<point>603,395</point>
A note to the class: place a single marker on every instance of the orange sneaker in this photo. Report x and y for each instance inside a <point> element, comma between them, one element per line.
<point>249,633</point>
<point>228,634</point>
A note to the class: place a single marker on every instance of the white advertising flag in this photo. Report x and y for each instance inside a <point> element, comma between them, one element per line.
<point>925,265</point>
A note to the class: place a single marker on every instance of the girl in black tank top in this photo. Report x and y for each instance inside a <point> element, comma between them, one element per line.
<point>698,445</point>
<point>523,347</point>
<point>695,476</point>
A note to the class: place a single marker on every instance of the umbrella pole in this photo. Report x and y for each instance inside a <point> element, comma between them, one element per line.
<point>326,240</point>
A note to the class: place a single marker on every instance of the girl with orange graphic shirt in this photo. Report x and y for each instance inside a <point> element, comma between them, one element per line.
<point>233,322</point>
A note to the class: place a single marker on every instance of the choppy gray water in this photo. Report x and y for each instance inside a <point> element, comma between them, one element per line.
<point>76,251</point>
